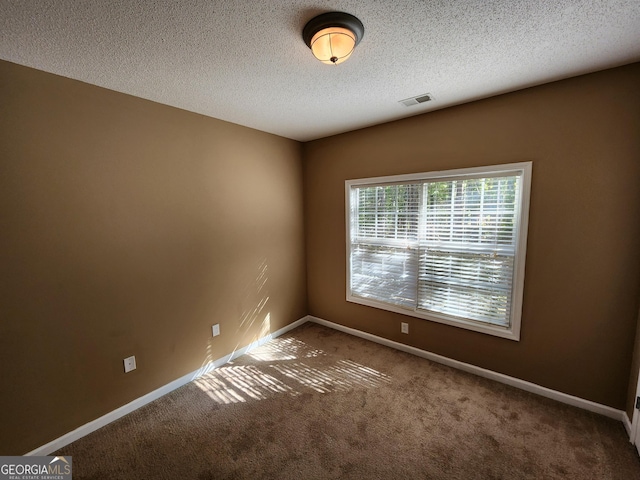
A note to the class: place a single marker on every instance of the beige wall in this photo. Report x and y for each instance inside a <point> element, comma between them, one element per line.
<point>582,276</point>
<point>129,228</point>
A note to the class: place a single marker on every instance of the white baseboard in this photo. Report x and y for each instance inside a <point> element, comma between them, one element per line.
<point>482,372</point>
<point>154,395</point>
<point>627,425</point>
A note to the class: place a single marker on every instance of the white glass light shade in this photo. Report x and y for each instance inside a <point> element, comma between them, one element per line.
<point>333,45</point>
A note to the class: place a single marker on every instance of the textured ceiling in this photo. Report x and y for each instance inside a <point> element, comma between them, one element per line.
<point>246,62</point>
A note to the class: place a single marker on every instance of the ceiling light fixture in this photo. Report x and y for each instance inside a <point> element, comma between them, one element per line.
<point>333,36</point>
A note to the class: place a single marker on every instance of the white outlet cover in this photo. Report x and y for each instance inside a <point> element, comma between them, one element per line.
<point>404,327</point>
<point>129,364</point>
<point>215,329</point>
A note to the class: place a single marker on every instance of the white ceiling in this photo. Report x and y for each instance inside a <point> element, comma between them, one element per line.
<point>246,62</point>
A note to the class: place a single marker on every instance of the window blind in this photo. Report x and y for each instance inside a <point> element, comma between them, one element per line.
<point>384,246</point>
<point>468,248</point>
<point>443,246</point>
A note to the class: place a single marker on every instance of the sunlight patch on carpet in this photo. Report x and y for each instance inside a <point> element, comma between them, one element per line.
<point>228,385</point>
<point>342,376</point>
<point>284,349</point>
<point>283,371</point>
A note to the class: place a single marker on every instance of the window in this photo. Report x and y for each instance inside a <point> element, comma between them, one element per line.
<point>445,246</point>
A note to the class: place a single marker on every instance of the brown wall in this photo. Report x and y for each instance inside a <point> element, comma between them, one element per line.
<point>129,228</point>
<point>582,275</point>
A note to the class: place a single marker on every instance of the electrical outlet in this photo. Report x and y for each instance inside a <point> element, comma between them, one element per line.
<point>216,330</point>
<point>404,327</point>
<point>129,364</point>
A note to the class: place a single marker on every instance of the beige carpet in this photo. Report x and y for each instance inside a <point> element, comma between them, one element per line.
<point>320,404</point>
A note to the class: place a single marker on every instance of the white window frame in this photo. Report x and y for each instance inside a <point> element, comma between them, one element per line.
<point>523,169</point>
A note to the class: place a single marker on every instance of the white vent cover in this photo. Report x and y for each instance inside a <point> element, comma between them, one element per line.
<point>425,97</point>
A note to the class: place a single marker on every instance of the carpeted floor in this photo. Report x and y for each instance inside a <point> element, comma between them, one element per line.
<point>319,404</point>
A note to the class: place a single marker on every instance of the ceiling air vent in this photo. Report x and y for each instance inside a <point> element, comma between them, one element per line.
<point>425,97</point>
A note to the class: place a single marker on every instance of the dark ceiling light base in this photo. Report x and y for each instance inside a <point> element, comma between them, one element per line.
<point>327,34</point>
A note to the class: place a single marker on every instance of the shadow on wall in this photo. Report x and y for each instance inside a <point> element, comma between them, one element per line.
<point>284,366</point>
<point>255,300</point>
<point>253,321</point>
